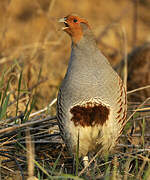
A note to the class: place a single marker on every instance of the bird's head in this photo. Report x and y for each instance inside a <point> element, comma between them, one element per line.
<point>74,26</point>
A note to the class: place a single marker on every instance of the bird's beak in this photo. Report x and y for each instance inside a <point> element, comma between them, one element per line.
<point>63,20</point>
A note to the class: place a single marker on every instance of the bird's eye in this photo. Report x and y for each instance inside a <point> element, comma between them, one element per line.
<point>75,20</point>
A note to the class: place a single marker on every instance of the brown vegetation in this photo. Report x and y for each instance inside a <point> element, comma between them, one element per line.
<point>31,40</point>
<point>31,35</point>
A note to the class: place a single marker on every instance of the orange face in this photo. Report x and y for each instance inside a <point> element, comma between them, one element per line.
<point>73,26</point>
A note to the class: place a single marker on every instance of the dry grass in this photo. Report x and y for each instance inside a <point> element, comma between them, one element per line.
<point>32,42</point>
<point>31,36</point>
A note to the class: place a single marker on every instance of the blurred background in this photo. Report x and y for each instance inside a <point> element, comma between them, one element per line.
<point>34,54</point>
<point>31,39</point>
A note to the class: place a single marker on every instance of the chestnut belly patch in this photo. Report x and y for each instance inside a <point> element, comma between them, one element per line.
<point>89,114</point>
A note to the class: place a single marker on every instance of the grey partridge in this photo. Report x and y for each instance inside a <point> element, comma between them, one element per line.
<point>91,103</point>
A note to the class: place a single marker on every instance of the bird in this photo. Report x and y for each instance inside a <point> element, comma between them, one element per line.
<point>138,63</point>
<point>91,101</point>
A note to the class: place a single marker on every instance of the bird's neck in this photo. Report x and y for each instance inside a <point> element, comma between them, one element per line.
<point>86,54</point>
<point>85,47</point>
<point>82,54</point>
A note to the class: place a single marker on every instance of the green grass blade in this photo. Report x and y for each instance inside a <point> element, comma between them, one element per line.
<point>147,173</point>
<point>2,78</point>
<point>4,107</point>
<point>143,132</point>
<point>55,164</point>
<point>19,87</point>
<point>27,113</point>
<point>5,92</point>
<point>0,95</point>
<point>31,107</point>
<point>4,100</point>
<point>42,169</point>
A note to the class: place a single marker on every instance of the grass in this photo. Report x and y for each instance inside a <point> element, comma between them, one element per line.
<point>4,98</point>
